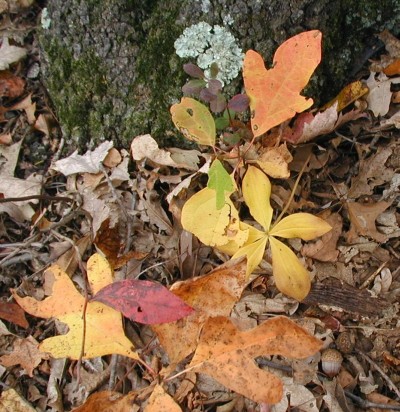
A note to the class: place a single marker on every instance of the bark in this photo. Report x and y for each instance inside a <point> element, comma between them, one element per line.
<point>112,72</point>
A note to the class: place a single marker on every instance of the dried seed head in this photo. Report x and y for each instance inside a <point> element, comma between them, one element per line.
<point>345,342</point>
<point>331,361</point>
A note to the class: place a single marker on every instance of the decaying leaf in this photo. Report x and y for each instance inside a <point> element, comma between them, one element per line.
<point>13,313</point>
<point>194,121</point>
<point>160,401</point>
<point>25,353</point>
<point>274,161</point>
<point>90,162</point>
<point>210,295</point>
<point>143,301</point>
<point>379,95</point>
<point>108,401</point>
<point>227,354</point>
<point>11,401</point>
<point>275,93</point>
<point>104,332</point>
<point>10,54</point>
<point>362,218</point>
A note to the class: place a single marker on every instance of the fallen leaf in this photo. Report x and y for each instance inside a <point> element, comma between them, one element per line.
<point>393,68</point>
<point>379,95</point>
<point>143,301</point>
<point>324,249</point>
<point>372,172</point>
<point>42,125</point>
<point>227,354</point>
<point>308,127</point>
<point>90,162</point>
<point>145,147</point>
<point>210,295</point>
<point>275,93</point>
<point>25,353</point>
<point>10,54</point>
<point>348,95</point>
<point>10,85</point>
<point>392,121</point>
<point>13,313</point>
<point>104,333</point>
<point>274,161</point>
<point>28,106</point>
<point>194,121</point>
<point>362,217</point>
<point>211,227</point>
<point>160,401</point>
<point>11,401</point>
<point>108,401</point>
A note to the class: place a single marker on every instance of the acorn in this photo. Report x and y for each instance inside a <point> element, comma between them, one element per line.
<point>345,342</point>
<point>331,362</point>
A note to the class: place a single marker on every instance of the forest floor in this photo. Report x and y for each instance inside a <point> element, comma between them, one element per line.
<point>125,204</point>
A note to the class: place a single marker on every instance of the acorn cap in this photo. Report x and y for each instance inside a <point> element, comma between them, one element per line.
<point>331,362</point>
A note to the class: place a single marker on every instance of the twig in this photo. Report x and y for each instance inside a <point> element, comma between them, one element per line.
<point>373,276</point>
<point>293,191</point>
<point>37,197</point>
<point>367,404</point>
<point>391,385</point>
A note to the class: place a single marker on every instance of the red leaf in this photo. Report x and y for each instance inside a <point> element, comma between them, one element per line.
<point>13,313</point>
<point>143,301</point>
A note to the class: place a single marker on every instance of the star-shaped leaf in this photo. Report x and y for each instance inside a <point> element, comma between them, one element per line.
<point>104,334</point>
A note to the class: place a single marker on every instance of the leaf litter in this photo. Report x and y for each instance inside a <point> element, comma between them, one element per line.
<point>244,332</point>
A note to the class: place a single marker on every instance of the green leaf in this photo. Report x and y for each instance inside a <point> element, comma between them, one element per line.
<point>220,181</point>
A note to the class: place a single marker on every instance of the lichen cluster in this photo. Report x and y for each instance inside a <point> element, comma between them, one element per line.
<point>211,44</point>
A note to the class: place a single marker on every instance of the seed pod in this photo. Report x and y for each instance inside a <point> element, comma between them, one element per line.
<point>331,361</point>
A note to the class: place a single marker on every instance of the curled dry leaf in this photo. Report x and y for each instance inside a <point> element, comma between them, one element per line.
<point>227,354</point>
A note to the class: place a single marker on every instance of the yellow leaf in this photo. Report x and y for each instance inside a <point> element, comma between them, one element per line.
<point>253,249</point>
<point>291,278</point>
<point>160,401</point>
<point>233,245</point>
<point>213,227</point>
<point>194,121</point>
<point>302,225</point>
<point>104,332</point>
<point>256,189</point>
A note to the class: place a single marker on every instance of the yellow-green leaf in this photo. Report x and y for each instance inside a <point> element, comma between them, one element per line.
<point>253,249</point>
<point>256,189</point>
<point>194,121</point>
<point>213,227</point>
<point>302,225</point>
<point>291,278</point>
<point>235,244</point>
<point>220,181</point>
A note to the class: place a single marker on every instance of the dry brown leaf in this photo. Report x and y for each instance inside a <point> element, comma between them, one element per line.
<point>69,260</point>
<point>113,158</point>
<point>28,106</point>
<point>227,354</point>
<point>160,401</point>
<point>362,217</point>
<point>10,85</point>
<point>372,172</point>
<point>26,354</point>
<point>379,95</point>
<point>109,401</point>
<point>274,161</point>
<point>11,401</point>
<point>13,313</point>
<point>324,249</point>
<point>42,125</point>
<point>211,295</point>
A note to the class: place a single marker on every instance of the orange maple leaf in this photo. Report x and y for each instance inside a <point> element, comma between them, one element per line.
<point>275,93</point>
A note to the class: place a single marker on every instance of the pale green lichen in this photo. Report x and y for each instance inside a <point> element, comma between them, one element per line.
<point>211,45</point>
<point>45,20</point>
